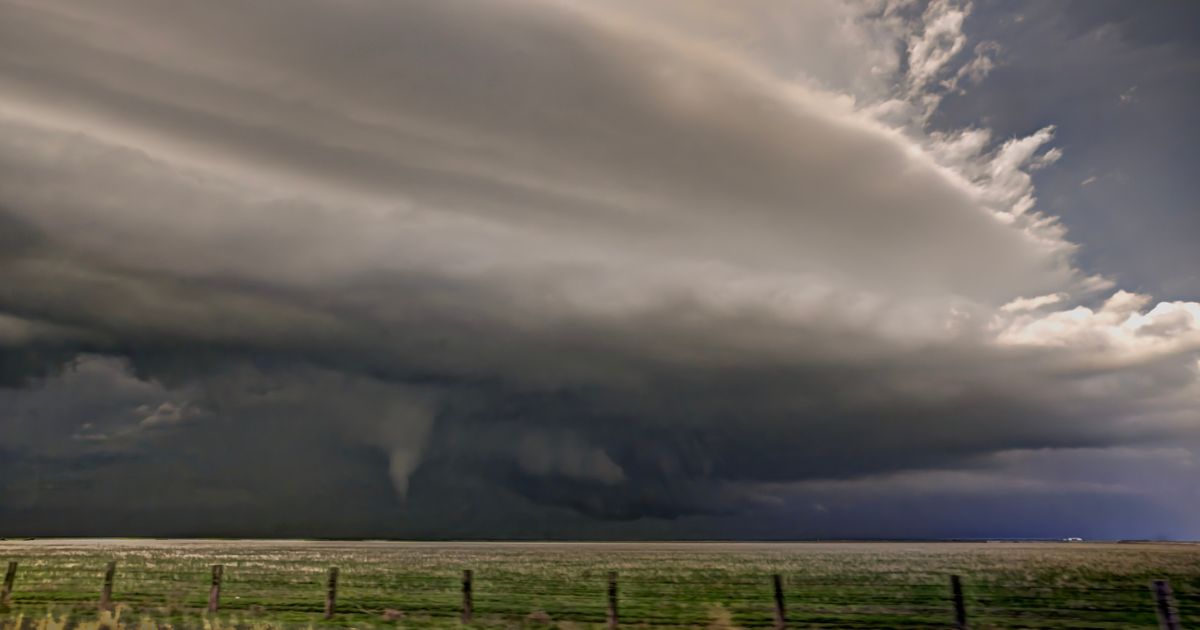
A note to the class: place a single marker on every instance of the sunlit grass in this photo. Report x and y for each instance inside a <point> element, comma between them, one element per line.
<point>271,585</point>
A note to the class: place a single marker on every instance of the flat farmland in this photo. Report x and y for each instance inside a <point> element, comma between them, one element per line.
<point>165,583</point>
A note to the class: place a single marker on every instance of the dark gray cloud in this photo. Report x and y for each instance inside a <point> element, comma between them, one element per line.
<point>536,269</point>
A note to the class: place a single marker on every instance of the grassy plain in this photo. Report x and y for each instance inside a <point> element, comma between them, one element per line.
<point>712,585</point>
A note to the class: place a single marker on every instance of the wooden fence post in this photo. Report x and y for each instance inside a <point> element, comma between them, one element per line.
<point>331,593</point>
<point>214,593</point>
<point>780,611</point>
<point>467,605</point>
<point>10,576</point>
<point>106,590</point>
<point>1168,616</point>
<point>613,618</point>
<point>960,608</point>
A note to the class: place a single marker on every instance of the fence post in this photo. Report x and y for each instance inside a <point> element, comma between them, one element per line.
<point>613,618</point>
<point>960,608</point>
<point>1168,616</point>
<point>106,591</point>
<point>467,606</point>
<point>214,593</point>
<point>331,593</point>
<point>10,576</point>
<point>780,610</point>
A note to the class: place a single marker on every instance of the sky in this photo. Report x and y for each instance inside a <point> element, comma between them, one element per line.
<point>677,269</point>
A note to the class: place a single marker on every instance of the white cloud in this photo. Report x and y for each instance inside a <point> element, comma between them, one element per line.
<point>941,38</point>
<point>980,66</point>
<point>1034,303</point>
<point>1121,327</point>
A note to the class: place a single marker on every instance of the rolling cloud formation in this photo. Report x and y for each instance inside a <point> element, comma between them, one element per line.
<point>546,268</point>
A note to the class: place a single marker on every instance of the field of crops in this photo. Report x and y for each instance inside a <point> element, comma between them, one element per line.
<point>714,585</point>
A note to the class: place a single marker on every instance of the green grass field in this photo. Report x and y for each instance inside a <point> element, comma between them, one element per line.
<point>714,585</point>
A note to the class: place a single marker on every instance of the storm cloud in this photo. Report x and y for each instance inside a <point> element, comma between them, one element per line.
<point>541,268</point>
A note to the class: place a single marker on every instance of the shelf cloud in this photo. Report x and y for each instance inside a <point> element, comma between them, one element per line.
<point>591,269</point>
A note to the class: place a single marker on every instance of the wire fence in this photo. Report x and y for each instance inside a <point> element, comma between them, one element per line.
<point>287,592</point>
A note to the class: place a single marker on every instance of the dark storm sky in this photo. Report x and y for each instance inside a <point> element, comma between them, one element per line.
<point>541,268</point>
